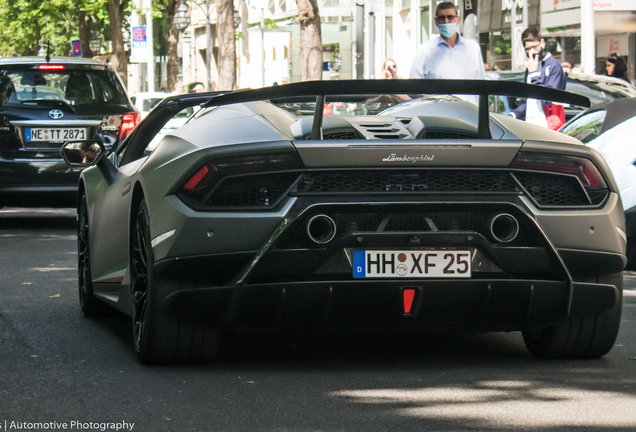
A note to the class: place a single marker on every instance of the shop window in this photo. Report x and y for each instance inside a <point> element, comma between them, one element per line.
<point>405,4</point>
<point>501,49</point>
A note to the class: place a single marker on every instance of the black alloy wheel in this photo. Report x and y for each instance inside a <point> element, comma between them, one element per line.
<point>139,274</point>
<point>89,305</point>
<point>159,337</point>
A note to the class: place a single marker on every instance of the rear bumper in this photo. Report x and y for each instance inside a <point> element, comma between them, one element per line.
<point>281,281</point>
<point>488,305</point>
<point>38,183</point>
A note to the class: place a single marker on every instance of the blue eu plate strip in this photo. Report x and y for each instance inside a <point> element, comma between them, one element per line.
<point>359,264</point>
<point>27,131</point>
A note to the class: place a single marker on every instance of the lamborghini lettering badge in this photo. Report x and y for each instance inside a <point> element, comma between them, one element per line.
<point>394,158</point>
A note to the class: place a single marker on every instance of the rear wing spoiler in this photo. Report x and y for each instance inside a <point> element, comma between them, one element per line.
<point>322,89</point>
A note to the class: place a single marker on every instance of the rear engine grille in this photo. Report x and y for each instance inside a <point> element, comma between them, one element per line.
<point>553,190</point>
<point>330,182</point>
<point>263,190</point>
<point>442,134</point>
<point>383,131</point>
<point>340,136</point>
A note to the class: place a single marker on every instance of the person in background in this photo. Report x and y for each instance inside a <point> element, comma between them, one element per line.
<point>285,80</point>
<point>389,69</point>
<point>179,89</point>
<point>615,66</point>
<point>541,69</point>
<point>199,88</point>
<point>449,56</point>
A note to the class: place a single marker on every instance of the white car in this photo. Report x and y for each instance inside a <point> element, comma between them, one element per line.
<point>146,101</point>
<point>609,128</point>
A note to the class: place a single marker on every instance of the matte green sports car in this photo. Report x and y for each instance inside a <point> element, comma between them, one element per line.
<point>432,214</point>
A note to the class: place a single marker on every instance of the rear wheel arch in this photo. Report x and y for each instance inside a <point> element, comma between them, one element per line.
<point>137,196</point>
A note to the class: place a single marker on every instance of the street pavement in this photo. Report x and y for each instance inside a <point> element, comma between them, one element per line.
<point>57,366</point>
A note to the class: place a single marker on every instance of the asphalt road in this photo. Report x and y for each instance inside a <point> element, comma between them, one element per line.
<point>57,366</point>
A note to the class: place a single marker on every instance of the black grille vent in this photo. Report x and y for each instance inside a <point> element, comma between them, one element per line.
<point>553,190</point>
<point>341,136</point>
<point>382,131</point>
<point>251,191</point>
<point>405,181</point>
<point>444,134</point>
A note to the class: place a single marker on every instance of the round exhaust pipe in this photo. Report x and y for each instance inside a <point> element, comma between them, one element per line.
<point>503,227</point>
<point>321,229</point>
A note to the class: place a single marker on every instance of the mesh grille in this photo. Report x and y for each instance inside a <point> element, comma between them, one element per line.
<point>401,222</point>
<point>257,190</point>
<point>442,134</point>
<point>340,136</point>
<point>553,190</point>
<point>405,181</point>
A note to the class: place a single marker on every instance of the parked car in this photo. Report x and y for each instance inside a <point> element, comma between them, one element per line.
<point>598,88</point>
<point>249,218</point>
<point>43,104</point>
<point>146,101</point>
<point>609,128</point>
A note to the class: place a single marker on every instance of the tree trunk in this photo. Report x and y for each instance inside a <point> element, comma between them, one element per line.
<point>85,24</point>
<point>118,58</point>
<point>310,40</point>
<point>226,36</point>
<point>173,40</point>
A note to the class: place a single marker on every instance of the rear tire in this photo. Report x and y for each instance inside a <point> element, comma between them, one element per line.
<point>587,336</point>
<point>159,337</point>
<point>89,304</point>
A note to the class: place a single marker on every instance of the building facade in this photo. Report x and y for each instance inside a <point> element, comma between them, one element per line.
<point>358,36</point>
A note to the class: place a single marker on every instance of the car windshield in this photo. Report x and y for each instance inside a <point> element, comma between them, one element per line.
<point>79,87</point>
<point>600,90</point>
<point>597,90</point>
<point>150,103</point>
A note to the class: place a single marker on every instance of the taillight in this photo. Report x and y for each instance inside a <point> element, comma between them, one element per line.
<point>128,123</point>
<point>242,181</point>
<point>582,168</point>
<point>50,67</point>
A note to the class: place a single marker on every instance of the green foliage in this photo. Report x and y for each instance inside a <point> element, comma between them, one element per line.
<point>24,22</point>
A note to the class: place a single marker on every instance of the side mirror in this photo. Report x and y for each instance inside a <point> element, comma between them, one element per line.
<point>82,153</point>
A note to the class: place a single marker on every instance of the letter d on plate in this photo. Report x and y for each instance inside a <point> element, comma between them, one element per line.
<point>359,264</point>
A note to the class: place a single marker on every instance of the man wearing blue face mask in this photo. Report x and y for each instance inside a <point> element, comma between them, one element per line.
<point>449,56</point>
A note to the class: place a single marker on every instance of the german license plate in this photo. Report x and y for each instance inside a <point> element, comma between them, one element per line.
<point>55,134</point>
<point>412,264</point>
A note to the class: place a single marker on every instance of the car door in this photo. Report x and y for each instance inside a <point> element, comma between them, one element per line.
<point>111,195</point>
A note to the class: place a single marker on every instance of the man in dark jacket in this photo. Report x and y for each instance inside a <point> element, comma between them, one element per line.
<point>541,69</point>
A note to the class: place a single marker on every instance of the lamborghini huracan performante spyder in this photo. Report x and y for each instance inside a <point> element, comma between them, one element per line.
<point>255,216</point>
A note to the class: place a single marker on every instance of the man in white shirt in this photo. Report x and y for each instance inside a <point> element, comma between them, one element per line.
<point>449,56</point>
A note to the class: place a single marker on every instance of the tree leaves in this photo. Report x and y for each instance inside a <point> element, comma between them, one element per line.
<point>24,22</point>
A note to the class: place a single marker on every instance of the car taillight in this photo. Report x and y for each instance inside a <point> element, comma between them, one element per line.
<point>582,168</point>
<point>128,123</point>
<point>50,67</point>
<point>242,181</point>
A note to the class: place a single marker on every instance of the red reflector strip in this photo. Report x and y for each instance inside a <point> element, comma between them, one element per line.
<point>51,67</point>
<point>409,294</point>
<point>194,181</point>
